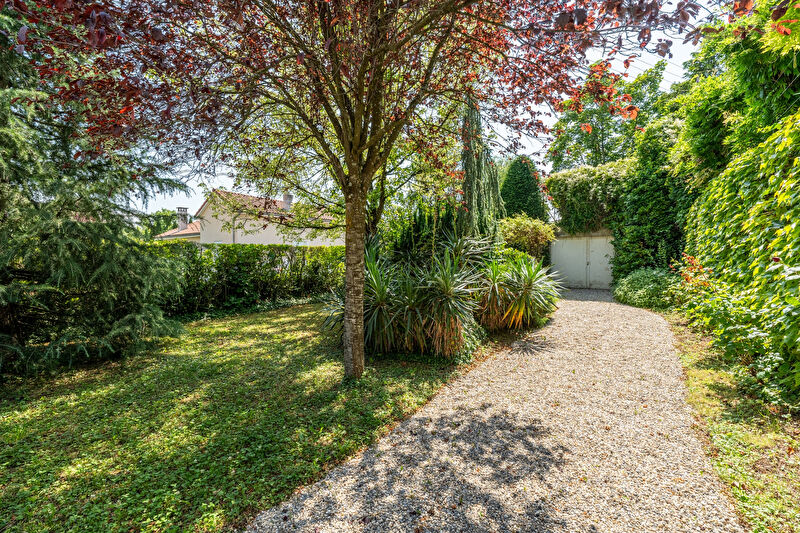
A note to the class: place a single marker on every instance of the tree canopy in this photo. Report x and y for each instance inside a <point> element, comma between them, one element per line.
<point>328,87</point>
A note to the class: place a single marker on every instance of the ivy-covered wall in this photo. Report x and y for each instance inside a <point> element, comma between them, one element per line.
<point>588,198</point>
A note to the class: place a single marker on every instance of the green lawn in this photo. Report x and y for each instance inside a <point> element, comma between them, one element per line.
<point>198,435</point>
<point>754,449</point>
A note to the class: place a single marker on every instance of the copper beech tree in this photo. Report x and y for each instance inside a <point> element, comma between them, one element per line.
<point>331,84</point>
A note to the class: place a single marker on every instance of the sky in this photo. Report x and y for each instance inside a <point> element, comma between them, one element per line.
<point>674,73</point>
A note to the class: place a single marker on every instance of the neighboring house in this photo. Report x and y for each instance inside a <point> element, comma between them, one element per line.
<point>219,222</point>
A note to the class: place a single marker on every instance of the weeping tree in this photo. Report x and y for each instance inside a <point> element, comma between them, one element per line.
<point>482,204</point>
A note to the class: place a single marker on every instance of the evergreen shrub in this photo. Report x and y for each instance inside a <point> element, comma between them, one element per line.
<point>227,276</point>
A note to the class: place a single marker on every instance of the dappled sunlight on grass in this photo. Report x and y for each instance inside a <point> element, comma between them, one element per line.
<point>199,434</point>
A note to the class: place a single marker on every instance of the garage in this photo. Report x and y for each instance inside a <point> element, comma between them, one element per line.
<point>583,261</point>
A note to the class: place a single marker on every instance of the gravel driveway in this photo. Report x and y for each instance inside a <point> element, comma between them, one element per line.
<point>582,427</point>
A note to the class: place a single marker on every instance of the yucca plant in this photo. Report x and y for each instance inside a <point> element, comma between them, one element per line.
<point>379,333</point>
<point>409,312</point>
<point>532,293</point>
<point>449,291</point>
<point>493,290</point>
<point>467,251</point>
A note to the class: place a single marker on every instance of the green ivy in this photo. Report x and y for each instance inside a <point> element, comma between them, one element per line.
<point>648,229</point>
<point>746,228</point>
<point>587,198</point>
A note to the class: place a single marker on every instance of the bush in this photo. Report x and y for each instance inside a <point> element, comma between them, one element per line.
<point>527,234</point>
<point>744,228</point>
<point>651,288</point>
<point>437,308</point>
<point>521,190</point>
<point>587,198</point>
<point>227,276</point>
<point>648,230</point>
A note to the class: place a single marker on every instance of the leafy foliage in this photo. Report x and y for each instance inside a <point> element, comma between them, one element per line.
<point>651,288</point>
<point>593,134</point>
<point>521,190</point>
<point>745,228</point>
<point>589,198</point>
<point>75,284</point>
<point>648,231</point>
<point>226,276</point>
<point>527,234</point>
<point>436,307</point>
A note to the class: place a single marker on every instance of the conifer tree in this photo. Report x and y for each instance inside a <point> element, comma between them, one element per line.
<point>482,204</point>
<point>521,191</point>
<point>74,281</point>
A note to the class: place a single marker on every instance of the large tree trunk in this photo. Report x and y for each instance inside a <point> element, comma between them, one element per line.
<point>354,285</point>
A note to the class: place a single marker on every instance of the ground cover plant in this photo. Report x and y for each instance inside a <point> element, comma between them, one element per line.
<point>754,447</point>
<point>651,288</point>
<point>199,434</point>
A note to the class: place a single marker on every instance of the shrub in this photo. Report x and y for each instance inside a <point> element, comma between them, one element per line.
<point>587,198</point>
<point>225,276</point>
<point>532,293</point>
<point>648,228</point>
<point>651,288</point>
<point>448,288</point>
<point>521,190</point>
<point>437,308</point>
<point>527,234</point>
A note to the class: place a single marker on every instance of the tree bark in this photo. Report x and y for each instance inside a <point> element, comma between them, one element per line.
<point>354,285</point>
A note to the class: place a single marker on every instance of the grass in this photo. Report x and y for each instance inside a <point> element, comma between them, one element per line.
<point>199,434</point>
<point>754,448</point>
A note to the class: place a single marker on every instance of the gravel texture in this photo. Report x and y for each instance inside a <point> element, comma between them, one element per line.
<point>581,427</point>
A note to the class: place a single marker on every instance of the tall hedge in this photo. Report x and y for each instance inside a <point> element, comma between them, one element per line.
<point>648,231</point>
<point>219,276</point>
<point>745,228</point>
<point>521,190</point>
<point>587,198</point>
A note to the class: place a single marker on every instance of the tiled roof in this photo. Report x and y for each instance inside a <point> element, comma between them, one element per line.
<point>265,206</point>
<point>193,228</point>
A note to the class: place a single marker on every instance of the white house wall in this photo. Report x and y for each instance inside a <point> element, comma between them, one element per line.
<point>212,231</point>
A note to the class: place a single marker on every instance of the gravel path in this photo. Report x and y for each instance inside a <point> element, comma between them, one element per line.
<point>580,428</point>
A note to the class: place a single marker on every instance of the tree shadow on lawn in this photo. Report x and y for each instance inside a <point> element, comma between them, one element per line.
<point>463,470</point>
<point>226,420</point>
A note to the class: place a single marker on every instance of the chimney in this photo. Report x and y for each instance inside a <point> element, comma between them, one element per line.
<point>183,217</point>
<point>287,200</point>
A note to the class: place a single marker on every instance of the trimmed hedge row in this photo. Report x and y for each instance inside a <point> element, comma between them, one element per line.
<point>225,276</point>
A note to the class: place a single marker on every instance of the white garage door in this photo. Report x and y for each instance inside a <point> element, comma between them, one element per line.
<point>583,262</point>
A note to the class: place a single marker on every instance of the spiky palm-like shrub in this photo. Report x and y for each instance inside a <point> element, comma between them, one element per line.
<point>532,293</point>
<point>449,291</point>
<point>493,292</point>
<point>409,313</point>
<point>379,334</point>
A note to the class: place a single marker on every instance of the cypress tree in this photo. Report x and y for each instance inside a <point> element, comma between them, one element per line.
<point>483,205</point>
<point>521,192</point>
